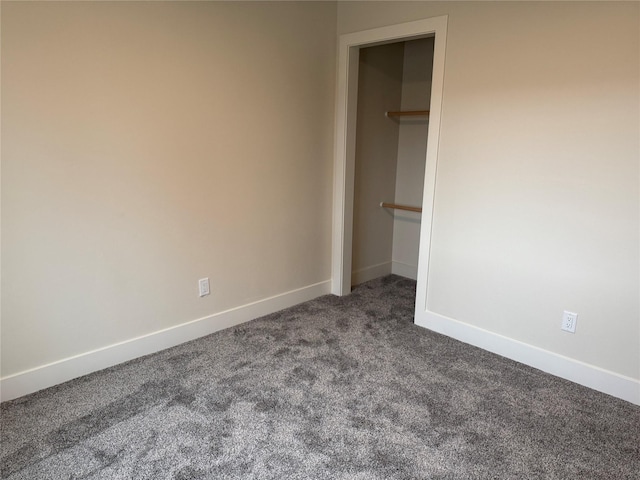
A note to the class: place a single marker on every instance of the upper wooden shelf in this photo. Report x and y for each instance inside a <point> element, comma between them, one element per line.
<point>409,113</point>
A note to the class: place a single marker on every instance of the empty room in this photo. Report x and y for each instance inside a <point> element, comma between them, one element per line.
<point>320,240</point>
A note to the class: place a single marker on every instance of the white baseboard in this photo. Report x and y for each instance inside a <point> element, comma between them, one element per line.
<point>570,369</point>
<point>404,270</point>
<point>30,381</point>
<point>369,273</point>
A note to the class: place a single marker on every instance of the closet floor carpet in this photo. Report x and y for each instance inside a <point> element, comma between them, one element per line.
<point>335,388</point>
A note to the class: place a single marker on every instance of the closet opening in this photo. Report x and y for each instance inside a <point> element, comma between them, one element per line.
<point>392,173</point>
<point>391,135</point>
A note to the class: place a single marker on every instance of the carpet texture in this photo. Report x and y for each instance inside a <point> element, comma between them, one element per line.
<point>335,388</point>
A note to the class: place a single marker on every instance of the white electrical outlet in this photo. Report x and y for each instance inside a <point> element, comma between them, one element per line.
<point>569,320</point>
<point>203,287</point>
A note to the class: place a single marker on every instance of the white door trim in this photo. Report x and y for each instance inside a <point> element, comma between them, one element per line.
<point>344,156</point>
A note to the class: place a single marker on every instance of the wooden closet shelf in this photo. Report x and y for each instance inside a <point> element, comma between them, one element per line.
<point>401,207</point>
<point>409,113</point>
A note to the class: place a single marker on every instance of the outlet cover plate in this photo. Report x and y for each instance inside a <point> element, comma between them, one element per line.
<point>203,287</point>
<point>569,320</point>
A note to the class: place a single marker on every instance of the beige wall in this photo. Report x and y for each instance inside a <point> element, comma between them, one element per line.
<point>379,90</point>
<point>147,145</point>
<point>537,194</point>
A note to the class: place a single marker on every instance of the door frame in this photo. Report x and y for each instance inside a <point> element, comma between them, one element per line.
<point>344,155</point>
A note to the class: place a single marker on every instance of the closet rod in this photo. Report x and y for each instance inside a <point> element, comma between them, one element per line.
<point>408,113</point>
<point>400,207</point>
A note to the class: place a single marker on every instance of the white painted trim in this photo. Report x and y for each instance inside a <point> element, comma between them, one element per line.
<point>344,172</point>
<point>345,123</point>
<point>433,148</point>
<point>369,273</point>
<point>570,369</point>
<point>44,376</point>
<point>404,270</point>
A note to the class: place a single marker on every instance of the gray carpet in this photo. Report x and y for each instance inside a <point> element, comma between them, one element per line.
<point>335,388</point>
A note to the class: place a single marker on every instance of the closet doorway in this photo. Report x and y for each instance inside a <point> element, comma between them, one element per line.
<point>394,90</point>
<point>380,49</point>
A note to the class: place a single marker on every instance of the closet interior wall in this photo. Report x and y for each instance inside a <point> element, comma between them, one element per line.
<point>379,90</point>
<point>412,153</point>
<point>390,157</point>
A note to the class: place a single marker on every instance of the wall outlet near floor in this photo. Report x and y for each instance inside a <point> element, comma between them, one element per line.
<point>203,287</point>
<point>569,320</point>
